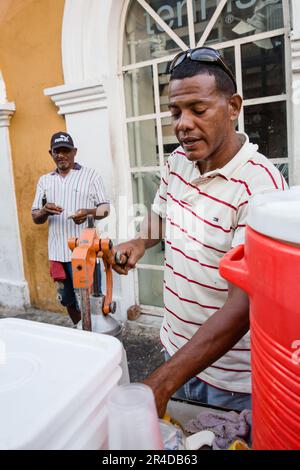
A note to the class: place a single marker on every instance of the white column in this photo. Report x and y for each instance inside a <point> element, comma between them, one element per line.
<point>295,63</point>
<point>91,101</point>
<point>13,287</point>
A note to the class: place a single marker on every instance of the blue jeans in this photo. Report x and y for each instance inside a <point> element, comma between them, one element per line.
<point>66,292</point>
<point>197,390</point>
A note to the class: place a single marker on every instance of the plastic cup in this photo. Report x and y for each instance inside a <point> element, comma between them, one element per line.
<point>133,423</point>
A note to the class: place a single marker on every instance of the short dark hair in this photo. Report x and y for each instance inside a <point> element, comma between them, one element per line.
<point>189,68</point>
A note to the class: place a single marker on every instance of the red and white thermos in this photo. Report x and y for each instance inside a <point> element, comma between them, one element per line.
<point>267,267</point>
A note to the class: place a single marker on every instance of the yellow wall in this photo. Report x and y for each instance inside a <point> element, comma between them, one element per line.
<point>30,60</point>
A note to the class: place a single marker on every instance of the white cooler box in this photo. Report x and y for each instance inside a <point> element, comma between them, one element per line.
<point>54,382</point>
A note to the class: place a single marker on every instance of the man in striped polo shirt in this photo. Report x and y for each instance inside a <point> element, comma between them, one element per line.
<point>202,200</point>
<point>65,197</point>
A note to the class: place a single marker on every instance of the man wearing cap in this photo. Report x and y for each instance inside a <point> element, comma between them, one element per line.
<point>203,200</point>
<point>64,198</point>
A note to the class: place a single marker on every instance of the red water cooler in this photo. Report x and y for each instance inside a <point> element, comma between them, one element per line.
<point>267,267</point>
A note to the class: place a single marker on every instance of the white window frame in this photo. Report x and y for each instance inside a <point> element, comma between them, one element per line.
<point>158,115</point>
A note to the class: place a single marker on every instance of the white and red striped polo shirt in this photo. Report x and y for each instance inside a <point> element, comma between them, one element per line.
<point>205,217</point>
<point>82,188</point>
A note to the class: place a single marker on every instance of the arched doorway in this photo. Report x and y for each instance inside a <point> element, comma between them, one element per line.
<point>252,35</point>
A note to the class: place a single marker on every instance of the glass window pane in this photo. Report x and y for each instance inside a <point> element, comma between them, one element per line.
<point>163,79</point>
<point>144,39</point>
<point>174,13</point>
<point>144,187</point>
<point>169,138</point>
<point>229,58</point>
<point>142,141</point>
<point>139,93</point>
<point>241,18</point>
<point>151,284</point>
<point>266,126</point>
<point>284,170</point>
<point>154,255</point>
<point>263,69</point>
<point>203,11</point>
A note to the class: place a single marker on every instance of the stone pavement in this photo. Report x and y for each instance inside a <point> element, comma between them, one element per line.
<point>140,338</point>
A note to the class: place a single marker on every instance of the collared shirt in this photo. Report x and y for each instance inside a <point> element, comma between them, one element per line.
<point>82,188</point>
<point>205,217</point>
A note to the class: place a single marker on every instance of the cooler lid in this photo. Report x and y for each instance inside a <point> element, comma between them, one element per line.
<point>46,373</point>
<point>276,214</point>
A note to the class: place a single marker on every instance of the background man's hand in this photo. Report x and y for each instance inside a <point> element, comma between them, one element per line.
<point>51,209</point>
<point>80,216</point>
<point>133,250</point>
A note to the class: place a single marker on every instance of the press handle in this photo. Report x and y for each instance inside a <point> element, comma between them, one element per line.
<point>90,221</point>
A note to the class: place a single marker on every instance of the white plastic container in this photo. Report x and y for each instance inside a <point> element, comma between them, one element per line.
<point>276,214</point>
<point>54,383</point>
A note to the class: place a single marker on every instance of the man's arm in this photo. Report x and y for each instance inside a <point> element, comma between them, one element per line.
<point>151,233</point>
<point>40,216</point>
<point>213,339</point>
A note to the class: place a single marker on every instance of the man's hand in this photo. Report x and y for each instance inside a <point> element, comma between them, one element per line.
<point>133,250</point>
<point>51,209</point>
<point>160,391</point>
<point>40,216</point>
<point>80,216</point>
<point>149,235</point>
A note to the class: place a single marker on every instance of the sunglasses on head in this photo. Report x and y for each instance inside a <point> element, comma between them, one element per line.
<point>205,55</point>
